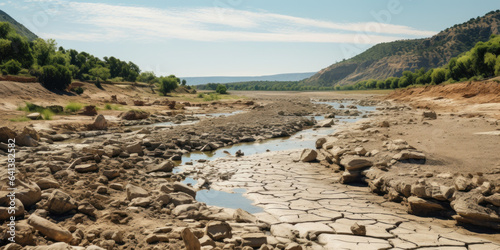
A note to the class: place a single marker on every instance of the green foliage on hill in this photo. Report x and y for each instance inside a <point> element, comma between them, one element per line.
<point>392,59</point>
<point>19,28</point>
<point>265,86</point>
<point>482,61</point>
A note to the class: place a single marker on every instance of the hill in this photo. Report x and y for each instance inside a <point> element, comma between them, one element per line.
<point>392,59</point>
<point>19,28</point>
<point>232,79</point>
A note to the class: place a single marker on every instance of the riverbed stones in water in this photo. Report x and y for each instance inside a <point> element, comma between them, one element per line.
<point>308,155</point>
<point>320,142</point>
<point>218,230</point>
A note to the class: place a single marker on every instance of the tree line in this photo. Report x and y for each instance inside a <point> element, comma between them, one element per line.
<point>56,67</point>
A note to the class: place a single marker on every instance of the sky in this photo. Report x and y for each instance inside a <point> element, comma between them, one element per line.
<point>236,37</point>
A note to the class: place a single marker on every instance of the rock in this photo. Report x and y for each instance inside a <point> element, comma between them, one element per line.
<point>134,148</point>
<point>24,233</point>
<point>419,206</point>
<point>27,192</point>
<point>409,155</point>
<point>60,202</point>
<point>6,134</point>
<point>384,124</point>
<point>46,183</point>
<point>360,151</point>
<point>493,199</point>
<point>241,215</point>
<point>180,187</point>
<point>284,230</point>
<point>25,139</point>
<point>308,155</point>
<point>293,246</point>
<point>357,229</point>
<point>85,168</point>
<point>254,239</point>
<point>468,210</point>
<point>166,166</point>
<point>181,198</point>
<point>218,230</point>
<point>87,208</point>
<point>184,208</point>
<point>431,115</point>
<point>134,115</point>
<point>355,164</point>
<point>463,184</point>
<point>55,246</point>
<point>190,241</point>
<point>320,142</point>
<point>57,109</point>
<point>135,192</point>
<point>34,116</point>
<point>206,241</point>
<point>49,229</point>
<point>102,190</point>
<point>348,177</point>
<point>100,123</point>
<point>111,174</point>
<point>140,202</point>
<point>88,111</point>
<point>239,153</point>
<point>398,144</point>
<point>6,213</point>
<point>325,123</point>
<point>115,235</point>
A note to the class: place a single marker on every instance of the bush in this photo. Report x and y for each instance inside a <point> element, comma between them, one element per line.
<point>221,89</point>
<point>74,106</point>
<point>211,97</point>
<point>78,90</point>
<point>107,106</point>
<point>56,77</point>
<point>12,67</point>
<point>201,95</point>
<point>167,84</point>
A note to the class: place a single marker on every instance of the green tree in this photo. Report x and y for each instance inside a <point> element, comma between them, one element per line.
<point>167,85</point>
<point>184,82</point>
<point>438,76</point>
<point>147,77</point>
<point>55,77</point>
<point>11,67</point>
<point>221,89</point>
<point>43,51</point>
<point>101,73</point>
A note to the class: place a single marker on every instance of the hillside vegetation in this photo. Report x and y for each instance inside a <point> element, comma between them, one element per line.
<point>19,28</point>
<point>392,59</point>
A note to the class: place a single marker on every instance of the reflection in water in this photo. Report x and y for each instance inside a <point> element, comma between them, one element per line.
<point>229,200</point>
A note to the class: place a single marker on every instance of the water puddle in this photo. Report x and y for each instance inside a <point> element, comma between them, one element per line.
<point>233,200</point>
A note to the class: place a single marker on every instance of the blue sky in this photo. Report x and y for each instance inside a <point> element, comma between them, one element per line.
<point>236,37</point>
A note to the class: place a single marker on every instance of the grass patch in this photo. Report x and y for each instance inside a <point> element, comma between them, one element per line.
<point>20,119</point>
<point>47,114</point>
<point>211,97</point>
<point>74,106</point>
<point>109,106</point>
<point>30,107</point>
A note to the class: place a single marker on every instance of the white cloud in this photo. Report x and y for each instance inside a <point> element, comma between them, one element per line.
<point>106,22</point>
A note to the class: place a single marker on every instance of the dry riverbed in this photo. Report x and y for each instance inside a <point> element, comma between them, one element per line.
<point>118,187</point>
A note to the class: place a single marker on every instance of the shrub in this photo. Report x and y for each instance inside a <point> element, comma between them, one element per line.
<point>167,84</point>
<point>107,106</point>
<point>74,106</point>
<point>200,95</point>
<point>211,97</point>
<point>12,67</point>
<point>221,89</point>
<point>78,90</point>
<point>56,77</point>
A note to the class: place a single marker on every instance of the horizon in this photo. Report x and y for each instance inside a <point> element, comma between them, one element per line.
<point>235,38</point>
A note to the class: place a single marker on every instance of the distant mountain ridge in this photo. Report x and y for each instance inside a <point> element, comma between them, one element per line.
<point>20,29</point>
<point>391,59</point>
<point>230,79</point>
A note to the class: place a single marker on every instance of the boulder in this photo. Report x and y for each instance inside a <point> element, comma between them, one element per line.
<point>134,115</point>
<point>320,142</point>
<point>463,183</point>
<point>4,211</point>
<point>24,233</point>
<point>135,192</point>
<point>6,134</point>
<point>493,199</point>
<point>419,206</point>
<point>190,240</point>
<point>325,123</point>
<point>34,116</point>
<point>85,168</point>
<point>348,177</point>
<point>409,155</point>
<point>134,148</point>
<point>100,123</point>
<point>60,202</point>
<point>355,163</point>
<point>88,111</point>
<point>181,198</point>
<point>27,138</point>
<point>359,230</point>
<point>218,230</point>
<point>28,192</point>
<point>468,210</point>
<point>181,187</point>
<point>308,155</point>
<point>360,151</point>
<point>430,115</point>
<point>254,239</point>
<point>241,215</point>
<point>49,229</point>
<point>166,166</point>
<point>46,183</point>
